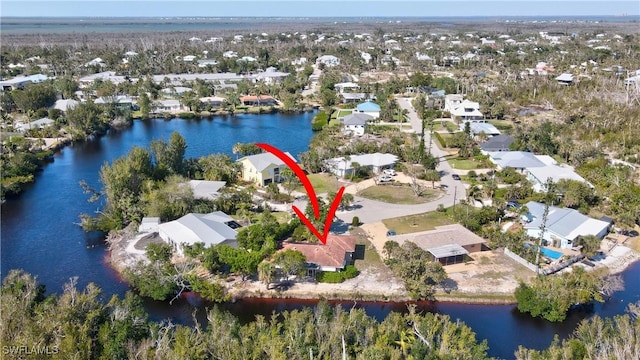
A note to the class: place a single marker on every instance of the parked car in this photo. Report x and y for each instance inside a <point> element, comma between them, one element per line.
<point>391,233</point>
<point>385,178</point>
<point>389,172</point>
<point>455,176</point>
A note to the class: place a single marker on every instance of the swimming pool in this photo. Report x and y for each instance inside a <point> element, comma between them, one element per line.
<point>555,255</point>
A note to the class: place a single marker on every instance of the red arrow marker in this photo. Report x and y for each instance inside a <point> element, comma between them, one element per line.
<point>327,223</point>
<point>313,198</point>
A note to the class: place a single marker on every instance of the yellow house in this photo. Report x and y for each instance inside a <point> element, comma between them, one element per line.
<point>262,169</point>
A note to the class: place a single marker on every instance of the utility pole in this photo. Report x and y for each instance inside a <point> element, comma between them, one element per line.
<point>455,194</point>
<point>545,215</point>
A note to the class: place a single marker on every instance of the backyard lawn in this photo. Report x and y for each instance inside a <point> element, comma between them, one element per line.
<point>466,164</point>
<point>322,183</point>
<point>502,125</point>
<point>343,113</point>
<point>418,222</point>
<point>397,194</point>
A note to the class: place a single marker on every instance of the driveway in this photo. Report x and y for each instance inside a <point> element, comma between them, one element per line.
<point>444,167</point>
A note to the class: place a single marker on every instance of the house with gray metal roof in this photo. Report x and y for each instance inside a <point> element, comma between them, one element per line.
<point>564,226</point>
<point>376,162</point>
<point>497,143</point>
<point>216,228</point>
<point>356,123</point>
<point>537,168</point>
<point>263,169</point>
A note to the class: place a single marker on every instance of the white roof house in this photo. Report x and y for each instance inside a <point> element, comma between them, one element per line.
<point>537,168</point>
<point>65,104</point>
<point>564,226</point>
<point>20,81</point>
<point>343,166</point>
<point>37,124</point>
<point>328,60</point>
<point>466,110</point>
<point>216,228</point>
<point>203,189</point>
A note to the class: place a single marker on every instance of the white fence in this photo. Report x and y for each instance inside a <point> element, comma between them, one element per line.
<point>520,260</point>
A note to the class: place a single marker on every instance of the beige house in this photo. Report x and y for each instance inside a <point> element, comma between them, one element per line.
<point>262,169</point>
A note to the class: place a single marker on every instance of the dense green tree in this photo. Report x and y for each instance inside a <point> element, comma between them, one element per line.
<point>291,262</point>
<point>415,267</point>
<point>145,105</point>
<point>552,296</point>
<point>34,97</point>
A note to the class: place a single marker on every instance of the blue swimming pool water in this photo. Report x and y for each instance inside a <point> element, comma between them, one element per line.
<point>551,253</point>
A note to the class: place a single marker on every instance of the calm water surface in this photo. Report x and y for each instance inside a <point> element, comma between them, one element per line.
<point>40,235</point>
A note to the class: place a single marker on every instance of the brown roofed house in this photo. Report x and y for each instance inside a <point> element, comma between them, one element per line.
<point>334,256</point>
<point>260,100</point>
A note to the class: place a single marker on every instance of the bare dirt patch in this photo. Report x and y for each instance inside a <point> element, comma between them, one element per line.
<point>491,273</point>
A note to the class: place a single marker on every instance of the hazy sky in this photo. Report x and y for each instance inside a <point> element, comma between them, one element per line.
<point>309,8</point>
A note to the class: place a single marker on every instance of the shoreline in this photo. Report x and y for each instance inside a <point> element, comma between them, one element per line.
<point>121,253</point>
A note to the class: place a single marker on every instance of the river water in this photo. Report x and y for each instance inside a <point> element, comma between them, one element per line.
<point>40,235</point>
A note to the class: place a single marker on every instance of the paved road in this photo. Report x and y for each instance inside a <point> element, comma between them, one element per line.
<point>373,211</point>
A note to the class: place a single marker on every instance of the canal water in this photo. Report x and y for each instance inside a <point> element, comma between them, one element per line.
<point>40,232</point>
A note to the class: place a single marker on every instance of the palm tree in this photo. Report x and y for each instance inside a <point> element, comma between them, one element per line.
<point>433,176</point>
<point>267,273</point>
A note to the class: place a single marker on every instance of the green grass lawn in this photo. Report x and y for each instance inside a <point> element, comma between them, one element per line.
<point>445,125</point>
<point>395,194</point>
<point>343,112</point>
<point>322,183</point>
<point>334,122</point>
<point>464,164</point>
<point>418,222</point>
<point>502,125</point>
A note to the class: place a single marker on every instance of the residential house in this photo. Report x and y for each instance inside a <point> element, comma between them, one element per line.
<point>260,100</point>
<point>352,98</point>
<point>479,127</point>
<point>356,124</point>
<point>564,226</point>
<point>216,228</point>
<point>175,90</point>
<point>111,76</point>
<point>565,79</point>
<point>170,105</point>
<point>213,101</point>
<point>376,162</point>
<point>207,190</point>
<point>207,62</point>
<point>448,244</point>
<point>95,62</point>
<point>335,255</point>
<point>65,104</point>
<point>369,108</point>
<point>36,124</point>
<point>328,60</point>
<point>299,62</point>
<point>341,87</point>
<point>271,76</point>
<point>149,225</point>
<point>537,168</point>
<point>120,101</point>
<point>451,101</point>
<point>497,143</point>
<point>466,111</point>
<point>263,169</point>
<point>19,82</point>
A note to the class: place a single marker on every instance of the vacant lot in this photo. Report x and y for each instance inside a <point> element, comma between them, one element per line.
<point>322,183</point>
<point>418,222</point>
<point>396,194</point>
